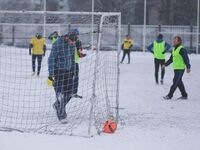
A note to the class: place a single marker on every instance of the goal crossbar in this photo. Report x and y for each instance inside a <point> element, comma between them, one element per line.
<point>62,12</point>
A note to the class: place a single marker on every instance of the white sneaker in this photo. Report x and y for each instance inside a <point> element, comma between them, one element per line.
<point>33,73</point>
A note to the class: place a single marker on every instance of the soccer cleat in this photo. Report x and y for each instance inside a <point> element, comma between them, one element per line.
<point>77,96</point>
<point>182,97</point>
<point>62,115</point>
<point>161,82</point>
<point>167,97</point>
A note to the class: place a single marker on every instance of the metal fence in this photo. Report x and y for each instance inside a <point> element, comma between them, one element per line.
<point>18,35</point>
<point>188,34</point>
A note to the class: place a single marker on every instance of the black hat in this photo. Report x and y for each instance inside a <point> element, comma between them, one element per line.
<point>160,36</point>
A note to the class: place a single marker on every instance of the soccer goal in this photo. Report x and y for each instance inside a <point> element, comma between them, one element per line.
<point>26,101</point>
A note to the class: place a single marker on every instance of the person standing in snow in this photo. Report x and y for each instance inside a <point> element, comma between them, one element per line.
<point>126,47</point>
<point>60,67</point>
<point>159,47</point>
<point>77,54</point>
<point>180,60</point>
<point>38,46</point>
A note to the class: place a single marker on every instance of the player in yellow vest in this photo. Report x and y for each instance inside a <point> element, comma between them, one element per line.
<point>180,61</point>
<point>159,47</point>
<point>126,47</point>
<point>38,46</point>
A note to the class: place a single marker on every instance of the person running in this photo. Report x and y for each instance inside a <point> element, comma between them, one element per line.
<point>60,67</point>
<point>126,47</point>
<point>180,60</point>
<point>38,46</point>
<point>159,47</point>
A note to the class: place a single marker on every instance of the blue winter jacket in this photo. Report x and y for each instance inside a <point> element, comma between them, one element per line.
<point>61,57</point>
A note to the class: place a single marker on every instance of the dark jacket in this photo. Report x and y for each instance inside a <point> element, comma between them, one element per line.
<point>61,56</point>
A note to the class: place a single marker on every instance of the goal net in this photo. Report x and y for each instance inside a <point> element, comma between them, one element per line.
<point>26,102</point>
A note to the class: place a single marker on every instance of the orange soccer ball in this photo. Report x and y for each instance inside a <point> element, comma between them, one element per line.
<point>110,126</point>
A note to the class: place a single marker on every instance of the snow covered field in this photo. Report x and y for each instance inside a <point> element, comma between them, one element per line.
<point>147,121</point>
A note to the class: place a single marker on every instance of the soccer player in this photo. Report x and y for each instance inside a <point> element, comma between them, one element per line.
<point>60,64</point>
<point>53,37</point>
<point>126,47</point>
<point>78,54</point>
<point>38,46</point>
<point>159,47</point>
<point>180,61</point>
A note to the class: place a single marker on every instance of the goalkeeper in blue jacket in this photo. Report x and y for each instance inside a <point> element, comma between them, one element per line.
<point>60,66</point>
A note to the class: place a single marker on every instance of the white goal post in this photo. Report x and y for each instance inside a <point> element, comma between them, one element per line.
<point>26,101</point>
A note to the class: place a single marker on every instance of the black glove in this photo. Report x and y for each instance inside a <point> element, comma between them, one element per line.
<point>29,51</point>
<point>30,46</point>
<point>122,46</point>
<point>44,49</point>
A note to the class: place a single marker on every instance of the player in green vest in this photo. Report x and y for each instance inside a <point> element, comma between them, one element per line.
<point>180,61</point>
<point>53,37</point>
<point>78,54</point>
<point>159,47</point>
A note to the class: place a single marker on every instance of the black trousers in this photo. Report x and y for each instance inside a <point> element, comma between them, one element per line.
<point>177,82</point>
<point>75,78</point>
<point>126,52</point>
<point>158,63</point>
<point>39,61</point>
<point>63,89</point>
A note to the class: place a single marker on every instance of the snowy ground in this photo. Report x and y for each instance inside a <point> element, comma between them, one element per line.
<point>147,121</point>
